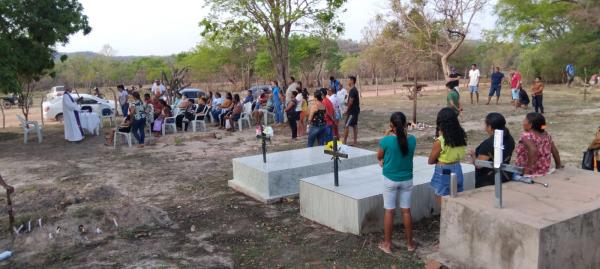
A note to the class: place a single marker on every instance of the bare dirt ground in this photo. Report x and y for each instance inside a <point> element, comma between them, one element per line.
<point>168,205</point>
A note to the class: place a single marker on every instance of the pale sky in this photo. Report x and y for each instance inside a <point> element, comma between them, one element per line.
<point>158,27</point>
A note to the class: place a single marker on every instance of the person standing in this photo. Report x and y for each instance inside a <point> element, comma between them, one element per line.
<point>352,111</point>
<point>292,115</point>
<point>334,84</point>
<point>139,119</point>
<point>447,152</point>
<point>123,100</point>
<point>336,110</point>
<point>292,87</point>
<point>515,85</point>
<point>329,116</point>
<point>453,79</point>
<point>342,96</point>
<point>71,122</point>
<point>156,88</point>
<point>537,93</point>
<point>299,100</point>
<point>395,155</point>
<point>570,70</point>
<point>316,118</point>
<point>453,99</point>
<point>496,86</point>
<point>474,76</point>
<point>277,102</point>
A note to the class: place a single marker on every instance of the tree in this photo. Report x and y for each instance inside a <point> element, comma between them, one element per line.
<point>439,32</point>
<point>29,32</point>
<point>107,51</point>
<point>276,19</point>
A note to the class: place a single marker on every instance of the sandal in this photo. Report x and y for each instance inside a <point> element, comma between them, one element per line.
<point>382,248</point>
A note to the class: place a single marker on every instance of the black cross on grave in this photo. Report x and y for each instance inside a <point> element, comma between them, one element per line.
<point>263,137</point>
<point>336,155</point>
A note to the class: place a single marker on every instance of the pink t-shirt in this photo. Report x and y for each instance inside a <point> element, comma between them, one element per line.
<point>514,83</point>
<point>543,144</point>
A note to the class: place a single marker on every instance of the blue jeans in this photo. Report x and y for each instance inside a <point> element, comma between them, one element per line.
<point>317,133</point>
<point>137,128</point>
<point>278,110</point>
<point>440,182</point>
<point>215,112</point>
<point>125,109</point>
<point>328,133</point>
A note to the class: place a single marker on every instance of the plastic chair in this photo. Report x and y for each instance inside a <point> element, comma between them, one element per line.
<point>245,116</point>
<point>35,127</point>
<point>202,122</point>
<point>126,135</point>
<point>266,115</point>
<point>169,122</point>
<point>107,114</point>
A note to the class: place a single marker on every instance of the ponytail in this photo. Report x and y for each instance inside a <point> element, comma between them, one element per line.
<point>398,120</point>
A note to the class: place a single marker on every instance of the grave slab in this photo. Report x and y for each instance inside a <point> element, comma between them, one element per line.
<point>279,177</point>
<point>356,206</point>
<point>555,227</point>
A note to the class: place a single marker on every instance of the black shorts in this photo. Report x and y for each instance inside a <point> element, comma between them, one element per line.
<point>352,119</point>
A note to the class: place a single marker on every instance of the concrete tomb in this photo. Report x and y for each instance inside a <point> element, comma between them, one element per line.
<point>555,227</point>
<point>279,177</point>
<point>356,206</point>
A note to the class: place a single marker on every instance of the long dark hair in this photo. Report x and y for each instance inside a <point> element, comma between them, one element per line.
<point>537,121</point>
<point>447,122</point>
<point>319,95</point>
<point>497,122</point>
<point>236,98</point>
<point>398,120</point>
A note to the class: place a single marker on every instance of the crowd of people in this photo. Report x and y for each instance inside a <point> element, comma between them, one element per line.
<point>534,149</point>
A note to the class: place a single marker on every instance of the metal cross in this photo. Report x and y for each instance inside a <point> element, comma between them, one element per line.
<point>498,165</point>
<point>263,137</point>
<point>336,155</point>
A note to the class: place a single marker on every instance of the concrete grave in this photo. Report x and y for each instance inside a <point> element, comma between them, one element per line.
<point>356,206</point>
<point>279,177</point>
<point>555,227</point>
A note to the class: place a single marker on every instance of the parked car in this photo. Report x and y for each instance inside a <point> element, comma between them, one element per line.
<point>259,89</point>
<point>53,109</point>
<point>56,91</point>
<point>192,93</point>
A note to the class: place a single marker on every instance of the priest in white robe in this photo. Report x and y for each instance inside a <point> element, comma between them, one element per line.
<point>73,131</point>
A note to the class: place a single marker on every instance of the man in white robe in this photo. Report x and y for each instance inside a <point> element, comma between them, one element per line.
<point>73,131</point>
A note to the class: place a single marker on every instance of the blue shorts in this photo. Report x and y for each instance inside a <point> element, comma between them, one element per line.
<point>473,89</point>
<point>495,89</point>
<point>515,94</point>
<point>440,182</point>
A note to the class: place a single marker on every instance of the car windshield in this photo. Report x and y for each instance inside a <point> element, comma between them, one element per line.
<point>191,95</point>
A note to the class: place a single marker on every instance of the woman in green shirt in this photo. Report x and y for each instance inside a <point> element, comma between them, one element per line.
<point>447,152</point>
<point>396,151</point>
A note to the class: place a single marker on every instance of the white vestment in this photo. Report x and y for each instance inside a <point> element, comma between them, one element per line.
<point>73,132</point>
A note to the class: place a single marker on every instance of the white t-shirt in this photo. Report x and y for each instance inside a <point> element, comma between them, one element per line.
<point>342,96</point>
<point>299,100</point>
<point>336,104</point>
<point>474,77</point>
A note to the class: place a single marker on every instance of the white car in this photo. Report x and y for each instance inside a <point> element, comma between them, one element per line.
<point>53,109</point>
<point>56,91</point>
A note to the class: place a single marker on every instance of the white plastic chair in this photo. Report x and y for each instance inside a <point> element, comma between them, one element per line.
<point>202,122</point>
<point>245,116</point>
<point>107,114</point>
<point>127,137</point>
<point>35,127</point>
<point>169,122</point>
<point>266,115</point>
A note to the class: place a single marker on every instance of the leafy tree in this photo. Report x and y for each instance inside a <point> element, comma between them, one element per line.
<point>276,20</point>
<point>29,32</point>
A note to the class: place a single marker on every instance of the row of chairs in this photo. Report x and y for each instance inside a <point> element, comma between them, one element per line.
<point>197,124</point>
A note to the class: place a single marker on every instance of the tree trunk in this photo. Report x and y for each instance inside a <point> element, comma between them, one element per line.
<point>3,118</point>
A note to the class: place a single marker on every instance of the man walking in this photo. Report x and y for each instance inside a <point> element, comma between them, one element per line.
<point>352,111</point>
<point>496,86</point>
<point>515,85</point>
<point>474,76</point>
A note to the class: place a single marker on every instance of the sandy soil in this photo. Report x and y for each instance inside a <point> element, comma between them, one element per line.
<point>168,205</point>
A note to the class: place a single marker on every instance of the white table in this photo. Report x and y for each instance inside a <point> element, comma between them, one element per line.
<point>90,122</point>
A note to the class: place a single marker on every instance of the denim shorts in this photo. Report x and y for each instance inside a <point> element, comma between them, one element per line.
<point>473,89</point>
<point>494,89</point>
<point>515,94</point>
<point>440,182</point>
<point>393,189</point>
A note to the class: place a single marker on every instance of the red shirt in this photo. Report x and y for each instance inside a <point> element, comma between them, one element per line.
<point>329,112</point>
<point>514,83</point>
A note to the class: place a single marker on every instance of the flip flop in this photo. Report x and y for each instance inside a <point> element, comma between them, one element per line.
<point>412,250</point>
<point>386,251</point>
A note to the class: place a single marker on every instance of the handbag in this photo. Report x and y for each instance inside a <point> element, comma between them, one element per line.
<point>588,160</point>
<point>227,125</point>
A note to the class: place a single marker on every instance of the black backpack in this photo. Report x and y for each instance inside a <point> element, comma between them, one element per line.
<point>523,97</point>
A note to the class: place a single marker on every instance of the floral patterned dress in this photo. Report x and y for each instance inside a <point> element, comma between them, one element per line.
<point>543,144</point>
